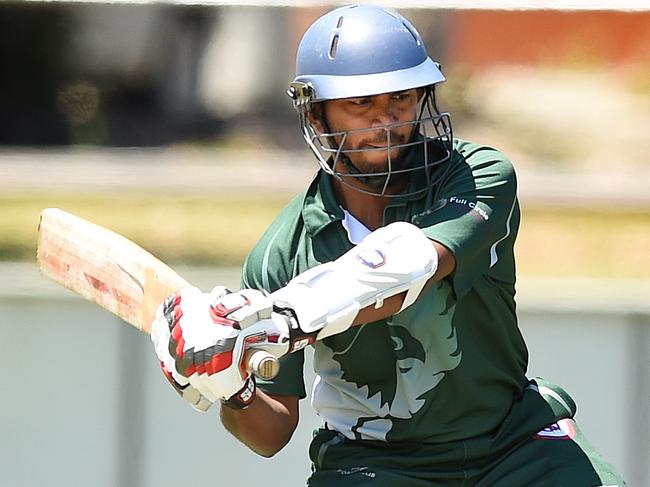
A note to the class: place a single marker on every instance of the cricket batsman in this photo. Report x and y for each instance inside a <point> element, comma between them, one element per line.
<point>396,265</point>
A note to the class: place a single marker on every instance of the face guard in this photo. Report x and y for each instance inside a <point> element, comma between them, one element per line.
<point>362,51</point>
<point>428,146</point>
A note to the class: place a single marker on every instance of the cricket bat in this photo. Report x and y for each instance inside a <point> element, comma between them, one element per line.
<point>115,273</point>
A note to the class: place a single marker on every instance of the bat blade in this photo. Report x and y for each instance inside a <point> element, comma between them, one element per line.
<point>115,273</point>
<point>104,267</point>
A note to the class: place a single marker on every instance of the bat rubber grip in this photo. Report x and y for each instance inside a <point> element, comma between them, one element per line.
<point>262,364</point>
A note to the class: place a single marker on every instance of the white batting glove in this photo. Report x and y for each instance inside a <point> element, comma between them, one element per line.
<point>161,338</point>
<point>201,338</point>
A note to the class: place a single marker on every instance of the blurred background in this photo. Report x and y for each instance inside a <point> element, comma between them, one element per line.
<point>169,124</point>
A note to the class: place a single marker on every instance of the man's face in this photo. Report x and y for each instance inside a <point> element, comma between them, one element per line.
<point>374,113</point>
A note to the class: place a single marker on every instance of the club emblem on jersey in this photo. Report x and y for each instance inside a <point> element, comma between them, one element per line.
<point>414,360</point>
<point>372,258</point>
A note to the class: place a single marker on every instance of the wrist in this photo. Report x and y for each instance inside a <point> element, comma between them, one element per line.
<point>244,398</point>
<point>298,338</point>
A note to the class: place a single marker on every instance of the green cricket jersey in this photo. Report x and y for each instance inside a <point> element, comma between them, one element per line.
<point>448,367</point>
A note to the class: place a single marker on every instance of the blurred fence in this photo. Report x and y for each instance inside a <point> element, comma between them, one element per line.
<point>204,170</point>
<point>85,404</point>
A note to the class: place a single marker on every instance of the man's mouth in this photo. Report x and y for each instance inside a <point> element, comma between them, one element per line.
<point>383,144</point>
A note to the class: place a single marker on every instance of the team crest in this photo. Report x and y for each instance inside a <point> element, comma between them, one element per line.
<point>381,401</point>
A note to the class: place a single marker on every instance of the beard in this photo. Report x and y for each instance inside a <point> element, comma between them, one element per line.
<point>377,174</point>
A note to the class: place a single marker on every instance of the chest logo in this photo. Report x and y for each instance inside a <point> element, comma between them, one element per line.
<point>383,374</point>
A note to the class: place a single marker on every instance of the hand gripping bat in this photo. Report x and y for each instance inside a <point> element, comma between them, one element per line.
<point>110,270</point>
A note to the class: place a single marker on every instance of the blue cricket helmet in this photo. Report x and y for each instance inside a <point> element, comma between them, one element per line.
<point>365,50</point>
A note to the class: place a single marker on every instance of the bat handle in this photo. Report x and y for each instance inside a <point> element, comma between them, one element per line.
<point>262,364</point>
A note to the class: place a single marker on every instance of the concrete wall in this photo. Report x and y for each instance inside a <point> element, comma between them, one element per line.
<point>83,401</point>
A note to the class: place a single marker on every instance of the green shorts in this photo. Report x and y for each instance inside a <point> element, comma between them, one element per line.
<point>538,444</point>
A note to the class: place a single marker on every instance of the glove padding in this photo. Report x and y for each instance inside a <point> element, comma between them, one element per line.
<point>199,340</point>
<point>160,336</point>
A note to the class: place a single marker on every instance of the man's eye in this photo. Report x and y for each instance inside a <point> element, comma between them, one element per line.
<point>401,96</point>
<point>360,101</point>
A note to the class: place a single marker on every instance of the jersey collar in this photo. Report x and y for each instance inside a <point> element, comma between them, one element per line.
<point>320,207</point>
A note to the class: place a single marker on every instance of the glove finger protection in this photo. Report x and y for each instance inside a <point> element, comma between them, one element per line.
<point>202,343</point>
<point>160,336</point>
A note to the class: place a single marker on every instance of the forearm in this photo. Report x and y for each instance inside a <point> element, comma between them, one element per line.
<point>266,426</point>
<point>446,265</point>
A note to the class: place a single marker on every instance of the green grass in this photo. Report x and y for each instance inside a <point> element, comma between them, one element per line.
<point>177,228</point>
<point>220,229</point>
<point>593,242</point>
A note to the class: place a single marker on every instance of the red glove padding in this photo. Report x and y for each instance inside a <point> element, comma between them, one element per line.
<point>212,348</point>
<point>199,339</point>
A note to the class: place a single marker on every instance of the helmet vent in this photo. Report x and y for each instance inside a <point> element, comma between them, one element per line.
<point>334,46</point>
<point>339,23</point>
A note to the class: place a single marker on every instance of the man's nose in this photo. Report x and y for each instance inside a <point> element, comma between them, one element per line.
<point>384,112</point>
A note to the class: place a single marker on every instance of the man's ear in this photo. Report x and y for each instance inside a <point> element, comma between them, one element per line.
<point>315,117</point>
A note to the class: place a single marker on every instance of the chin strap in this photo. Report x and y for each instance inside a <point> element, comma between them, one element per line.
<point>326,299</point>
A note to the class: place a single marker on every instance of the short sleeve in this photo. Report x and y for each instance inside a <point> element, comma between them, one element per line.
<point>478,216</point>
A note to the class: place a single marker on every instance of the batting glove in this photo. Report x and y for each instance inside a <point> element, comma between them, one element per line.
<point>201,338</point>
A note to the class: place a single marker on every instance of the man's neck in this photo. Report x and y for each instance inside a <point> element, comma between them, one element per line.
<point>366,208</point>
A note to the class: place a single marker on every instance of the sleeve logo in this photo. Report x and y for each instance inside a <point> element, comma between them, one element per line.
<point>472,205</point>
